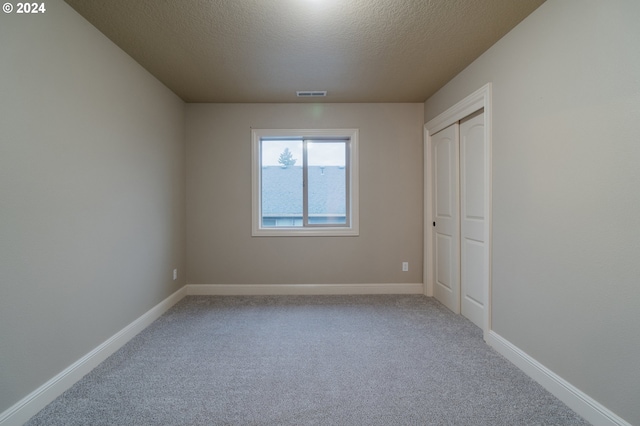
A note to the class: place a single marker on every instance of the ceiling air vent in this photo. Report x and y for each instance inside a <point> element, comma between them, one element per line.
<point>311,93</point>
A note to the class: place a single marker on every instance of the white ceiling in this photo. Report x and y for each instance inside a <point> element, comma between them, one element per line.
<point>266,50</point>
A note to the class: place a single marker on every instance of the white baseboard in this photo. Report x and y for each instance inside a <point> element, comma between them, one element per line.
<point>23,410</point>
<point>30,405</point>
<point>590,409</point>
<point>301,289</point>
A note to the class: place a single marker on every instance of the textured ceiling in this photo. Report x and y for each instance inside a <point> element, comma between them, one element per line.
<point>265,50</point>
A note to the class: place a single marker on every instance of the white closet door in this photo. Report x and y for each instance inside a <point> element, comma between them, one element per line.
<point>472,220</point>
<point>446,236</point>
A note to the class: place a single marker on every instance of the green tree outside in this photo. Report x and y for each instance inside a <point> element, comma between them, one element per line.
<point>286,158</point>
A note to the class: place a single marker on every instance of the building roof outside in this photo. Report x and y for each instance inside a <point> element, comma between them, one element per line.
<point>282,191</point>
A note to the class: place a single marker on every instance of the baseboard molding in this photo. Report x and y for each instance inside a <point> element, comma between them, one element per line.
<point>301,289</point>
<point>23,410</point>
<point>30,405</point>
<point>590,409</point>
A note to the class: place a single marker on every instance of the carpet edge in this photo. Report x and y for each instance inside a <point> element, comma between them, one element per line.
<point>584,405</point>
<point>302,289</point>
<point>30,405</point>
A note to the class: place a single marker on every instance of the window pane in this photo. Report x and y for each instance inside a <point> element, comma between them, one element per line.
<point>304,182</point>
<point>281,180</point>
<point>327,183</point>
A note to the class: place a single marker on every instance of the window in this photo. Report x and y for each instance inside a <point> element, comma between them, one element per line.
<point>305,182</point>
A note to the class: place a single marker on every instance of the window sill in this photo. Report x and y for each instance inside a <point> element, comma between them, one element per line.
<point>305,232</point>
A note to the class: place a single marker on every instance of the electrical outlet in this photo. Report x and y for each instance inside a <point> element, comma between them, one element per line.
<point>405,266</point>
<point>175,274</point>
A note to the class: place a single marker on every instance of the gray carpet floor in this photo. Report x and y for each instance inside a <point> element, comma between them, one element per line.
<point>307,360</point>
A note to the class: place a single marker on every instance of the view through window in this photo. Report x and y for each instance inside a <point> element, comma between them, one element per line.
<point>305,181</point>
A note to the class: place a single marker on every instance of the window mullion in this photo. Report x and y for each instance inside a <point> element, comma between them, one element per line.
<point>305,186</point>
<point>347,183</point>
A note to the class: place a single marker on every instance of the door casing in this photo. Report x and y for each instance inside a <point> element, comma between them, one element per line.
<point>480,99</point>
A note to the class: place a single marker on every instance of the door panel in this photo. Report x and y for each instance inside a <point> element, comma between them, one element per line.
<point>446,214</point>
<point>443,261</point>
<point>472,159</point>
<point>473,253</point>
<point>444,155</point>
<point>473,240</point>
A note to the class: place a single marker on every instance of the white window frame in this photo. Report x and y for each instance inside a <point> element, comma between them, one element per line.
<point>352,229</point>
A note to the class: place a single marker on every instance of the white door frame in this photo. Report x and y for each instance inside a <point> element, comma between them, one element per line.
<point>479,99</point>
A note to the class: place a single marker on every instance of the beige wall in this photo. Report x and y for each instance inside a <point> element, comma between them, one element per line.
<point>219,243</point>
<point>91,194</point>
<point>566,209</point>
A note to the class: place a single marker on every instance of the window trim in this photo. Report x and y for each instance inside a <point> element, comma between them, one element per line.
<point>257,230</point>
